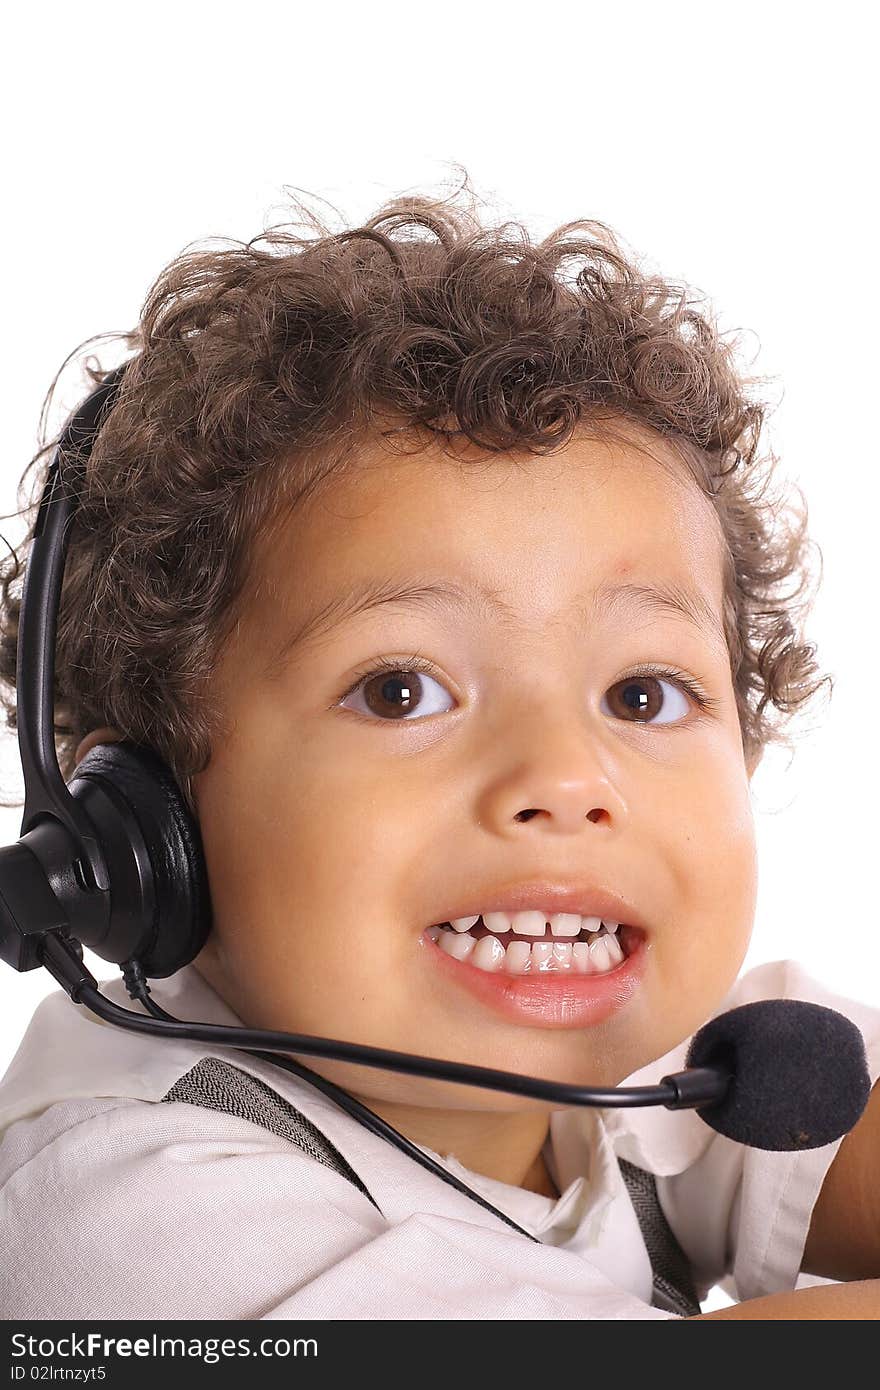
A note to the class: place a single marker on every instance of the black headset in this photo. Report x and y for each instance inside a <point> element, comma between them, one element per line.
<point>113,860</point>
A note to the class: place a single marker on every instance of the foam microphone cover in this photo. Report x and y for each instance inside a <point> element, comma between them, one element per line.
<point>799,1073</point>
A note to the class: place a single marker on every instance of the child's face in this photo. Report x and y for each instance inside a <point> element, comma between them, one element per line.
<point>335,837</point>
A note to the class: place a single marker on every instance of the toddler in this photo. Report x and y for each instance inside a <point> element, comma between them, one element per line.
<point>442,569</point>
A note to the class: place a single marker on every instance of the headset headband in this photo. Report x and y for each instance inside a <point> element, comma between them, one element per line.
<point>46,791</point>
<point>113,860</point>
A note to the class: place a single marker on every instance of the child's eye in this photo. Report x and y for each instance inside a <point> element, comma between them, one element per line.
<point>395,690</point>
<point>392,690</point>
<point>639,698</point>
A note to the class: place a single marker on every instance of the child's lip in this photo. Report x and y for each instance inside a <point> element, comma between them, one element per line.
<point>583,898</point>
<point>555,999</point>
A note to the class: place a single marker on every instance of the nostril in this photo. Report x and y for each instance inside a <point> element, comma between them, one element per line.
<point>526,815</point>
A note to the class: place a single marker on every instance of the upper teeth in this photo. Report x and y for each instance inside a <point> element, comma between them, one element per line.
<point>532,923</point>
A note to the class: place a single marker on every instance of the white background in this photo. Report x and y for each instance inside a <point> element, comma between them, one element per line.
<point>732,147</point>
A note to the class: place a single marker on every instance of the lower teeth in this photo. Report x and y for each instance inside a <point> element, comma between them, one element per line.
<point>598,955</point>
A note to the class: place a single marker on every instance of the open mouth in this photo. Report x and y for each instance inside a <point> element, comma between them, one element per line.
<point>597,950</point>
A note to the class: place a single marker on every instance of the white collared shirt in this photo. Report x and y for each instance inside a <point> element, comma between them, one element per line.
<point>114,1206</point>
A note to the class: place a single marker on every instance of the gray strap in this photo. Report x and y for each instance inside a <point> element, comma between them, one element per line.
<point>218,1085</point>
<point>673,1282</point>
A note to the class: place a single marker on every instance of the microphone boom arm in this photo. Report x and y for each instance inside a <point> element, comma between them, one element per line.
<point>698,1086</point>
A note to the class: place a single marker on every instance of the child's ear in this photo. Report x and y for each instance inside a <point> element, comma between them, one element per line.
<point>105,735</point>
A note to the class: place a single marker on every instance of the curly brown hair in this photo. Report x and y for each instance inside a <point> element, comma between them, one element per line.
<point>257,370</point>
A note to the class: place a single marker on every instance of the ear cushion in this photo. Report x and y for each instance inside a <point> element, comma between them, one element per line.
<point>160,902</point>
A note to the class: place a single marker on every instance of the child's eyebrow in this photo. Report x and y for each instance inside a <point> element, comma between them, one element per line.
<point>478,599</point>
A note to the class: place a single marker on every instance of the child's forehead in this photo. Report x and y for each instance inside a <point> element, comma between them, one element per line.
<point>523,539</point>
<point>606,506</point>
